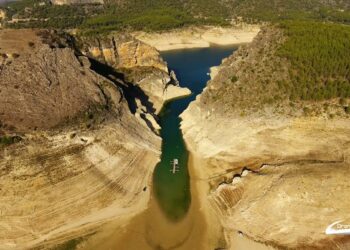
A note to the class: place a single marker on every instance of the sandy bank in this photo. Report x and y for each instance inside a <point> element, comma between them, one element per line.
<point>199,37</point>
<point>303,179</point>
<point>84,158</point>
<point>275,177</point>
<point>152,230</point>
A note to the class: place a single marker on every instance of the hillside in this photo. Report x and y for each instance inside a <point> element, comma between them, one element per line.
<point>270,138</point>
<point>82,83</point>
<point>290,68</point>
<point>77,145</point>
<point>93,17</point>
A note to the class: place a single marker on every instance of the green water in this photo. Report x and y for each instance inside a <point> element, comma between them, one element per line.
<point>191,67</point>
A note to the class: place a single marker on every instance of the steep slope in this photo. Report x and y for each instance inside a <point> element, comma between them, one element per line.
<point>140,64</point>
<point>264,156</point>
<point>81,158</point>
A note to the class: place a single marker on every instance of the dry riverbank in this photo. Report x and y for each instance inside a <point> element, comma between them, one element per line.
<point>216,236</point>
<point>301,185</point>
<point>83,153</point>
<point>152,230</point>
<point>199,37</point>
<point>268,172</point>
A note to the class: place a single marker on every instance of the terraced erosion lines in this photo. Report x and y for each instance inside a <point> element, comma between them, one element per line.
<point>79,140</point>
<point>274,177</point>
<point>84,158</point>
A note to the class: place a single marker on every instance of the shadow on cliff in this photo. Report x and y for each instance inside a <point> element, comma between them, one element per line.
<point>131,91</point>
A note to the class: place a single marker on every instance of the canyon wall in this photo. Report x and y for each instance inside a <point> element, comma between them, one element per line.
<point>273,174</point>
<point>74,156</point>
<point>140,64</point>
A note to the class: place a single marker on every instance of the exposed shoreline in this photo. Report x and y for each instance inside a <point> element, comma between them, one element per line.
<point>151,229</point>
<point>216,236</point>
<point>199,37</point>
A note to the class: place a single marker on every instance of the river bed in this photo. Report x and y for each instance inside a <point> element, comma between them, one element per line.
<point>191,67</point>
<point>174,218</point>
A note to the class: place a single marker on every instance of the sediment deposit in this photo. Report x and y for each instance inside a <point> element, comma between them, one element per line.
<point>74,155</point>
<point>199,37</point>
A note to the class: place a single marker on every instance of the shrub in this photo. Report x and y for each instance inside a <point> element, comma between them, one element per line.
<point>234,79</point>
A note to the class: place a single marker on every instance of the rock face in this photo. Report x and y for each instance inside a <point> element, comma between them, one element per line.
<point>140,63</point>
<point>199,37</point>
<point>83,160</point>
<point>44,78</point>
<point>274,178</point>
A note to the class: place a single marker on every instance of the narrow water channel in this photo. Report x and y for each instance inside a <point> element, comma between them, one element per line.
<point>191,67</point>
<point>173,219</point>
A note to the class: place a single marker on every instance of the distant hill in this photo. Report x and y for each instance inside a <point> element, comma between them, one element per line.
<point>95,18</point>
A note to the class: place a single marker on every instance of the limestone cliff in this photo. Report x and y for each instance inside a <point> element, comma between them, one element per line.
<point>80,158</point>
<point>140,64</point>
<point>199,37</point>
<point>276,174</point>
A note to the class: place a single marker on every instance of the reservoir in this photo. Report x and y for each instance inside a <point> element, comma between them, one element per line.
<point>173,219</point>
<point>191,66</point>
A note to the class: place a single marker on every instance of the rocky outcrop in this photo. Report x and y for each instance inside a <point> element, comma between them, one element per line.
<point>284,169</point>
<point>140,63</point>
<point>122,51</point>
<point>83,159</point>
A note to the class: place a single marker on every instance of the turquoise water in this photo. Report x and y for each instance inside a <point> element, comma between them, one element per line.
<point>191,67</point>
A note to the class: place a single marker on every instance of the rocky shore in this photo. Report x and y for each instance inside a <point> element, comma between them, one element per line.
<point>78,145</point>
<point>140,64</point>
<point>199,37</point>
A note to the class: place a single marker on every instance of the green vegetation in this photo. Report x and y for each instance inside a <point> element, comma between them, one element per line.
<point>275,10</point>
<point>234,79</point>
<point>319,55</point>
<point>294,67</point>
<point>133,15</point>
<point>339,16</point>
<point>163,14</point>
<point>46,15</point>
<point>148,16</point>
<point>158,19</point>
<point>7,140</point>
